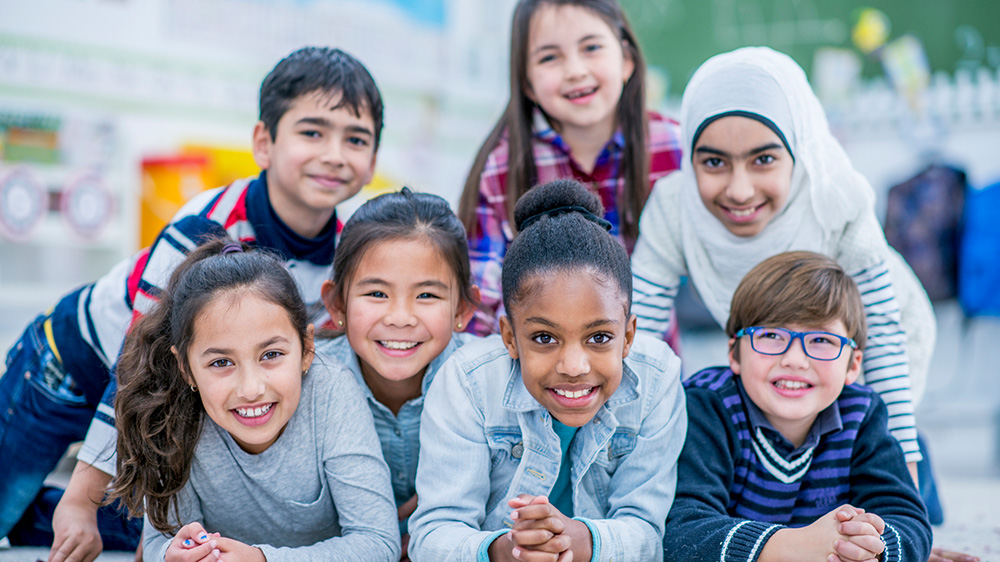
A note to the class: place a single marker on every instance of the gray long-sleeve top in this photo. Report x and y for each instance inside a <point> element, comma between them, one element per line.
<point>320,492</point>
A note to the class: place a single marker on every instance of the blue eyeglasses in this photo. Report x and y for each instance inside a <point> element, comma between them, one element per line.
<point>822,346</point>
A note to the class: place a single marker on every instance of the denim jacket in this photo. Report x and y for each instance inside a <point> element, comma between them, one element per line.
<point>485,439</point>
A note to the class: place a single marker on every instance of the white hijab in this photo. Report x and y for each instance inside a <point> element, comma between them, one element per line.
<point>827,193</point>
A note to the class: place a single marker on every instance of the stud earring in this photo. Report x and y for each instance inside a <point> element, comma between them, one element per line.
<point>459,326</point>
<point>340,323</point>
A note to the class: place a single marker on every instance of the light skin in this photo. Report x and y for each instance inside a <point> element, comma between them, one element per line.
<point>319,158</point>
<point>576,70</point>
<point>791,390</point>
<point>398,311</point>
<point>744,173</point>
<point>246,361</point>
<point>571,331</point>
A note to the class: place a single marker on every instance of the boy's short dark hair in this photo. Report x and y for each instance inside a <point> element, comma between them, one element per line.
<point>319,69</point>
<point>798,288</point>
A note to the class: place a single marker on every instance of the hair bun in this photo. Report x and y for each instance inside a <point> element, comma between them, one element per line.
<point>562,194</point>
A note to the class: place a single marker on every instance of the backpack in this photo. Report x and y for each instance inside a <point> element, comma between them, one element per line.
<point>979,273</point>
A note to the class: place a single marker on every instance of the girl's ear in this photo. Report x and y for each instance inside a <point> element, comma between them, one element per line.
<point>734,363</point>
<point>630,327</point>
<point>854,367</point>
<point>466,309</point>
<point>507,334</point>
<point>334,304</point>
<point>180,366</point>
<point>628,63</point>
<point>308,349</point>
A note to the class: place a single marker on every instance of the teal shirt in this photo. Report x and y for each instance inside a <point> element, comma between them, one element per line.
<point>562,490</point>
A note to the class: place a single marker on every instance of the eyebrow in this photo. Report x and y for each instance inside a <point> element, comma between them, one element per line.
<point>583,39</point>
<point>751,152</point>
<point>326,123</point>
<point>427,283</point>
<point>227,351</point>
<point>549,323</point>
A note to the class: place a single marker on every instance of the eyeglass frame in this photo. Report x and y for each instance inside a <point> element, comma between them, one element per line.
<point>793,335</point>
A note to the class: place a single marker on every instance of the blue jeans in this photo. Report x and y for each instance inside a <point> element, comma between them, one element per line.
<point>41,414</point>
<point>928,486</point>
<point>118,532</point>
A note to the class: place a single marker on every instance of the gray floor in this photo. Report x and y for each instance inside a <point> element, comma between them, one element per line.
<point>959,415</point>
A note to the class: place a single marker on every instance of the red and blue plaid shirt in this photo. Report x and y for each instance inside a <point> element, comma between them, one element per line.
<point>553,160</point>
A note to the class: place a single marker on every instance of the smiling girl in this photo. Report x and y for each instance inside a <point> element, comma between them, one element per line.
<point>558,440</point>
<point>401,286</point>
<point>233,440</point>
<point>576,110</point>
<point>762,175</point>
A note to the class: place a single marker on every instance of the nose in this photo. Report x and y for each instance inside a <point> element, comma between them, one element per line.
<point>795,356</point>
<point>740,188</point>
<point>251,385</point>
<point>575,67</point>
<point>573,361</point>
<point>400,313</point>
<point>333,152</point>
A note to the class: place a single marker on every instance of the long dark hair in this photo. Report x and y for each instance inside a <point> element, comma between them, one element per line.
<point>158,416</point>
<point>398,216</point>
<point>515,123</point>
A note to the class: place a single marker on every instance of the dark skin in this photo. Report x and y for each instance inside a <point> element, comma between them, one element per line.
<point>541,534</point>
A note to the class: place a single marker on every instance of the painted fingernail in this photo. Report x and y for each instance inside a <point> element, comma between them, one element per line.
<point>203,536</point>
<point>187,542</point>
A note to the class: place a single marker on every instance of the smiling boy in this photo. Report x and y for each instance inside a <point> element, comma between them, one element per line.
<point>785,458</point>
<point>316,142</point>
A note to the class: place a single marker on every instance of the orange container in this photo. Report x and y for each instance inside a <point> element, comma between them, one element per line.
<point>167,183</point>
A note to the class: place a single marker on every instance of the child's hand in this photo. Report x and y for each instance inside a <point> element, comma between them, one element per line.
<point>241,552</point>
<point>407,508</point>
<point>941,555</point>
<point>193,544</point>
<point>813,542</point>
<point>863,532</point>
<point>542,532</point>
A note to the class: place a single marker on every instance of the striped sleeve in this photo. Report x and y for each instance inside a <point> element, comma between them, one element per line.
<point>652,303</point>
<point>886,368</point>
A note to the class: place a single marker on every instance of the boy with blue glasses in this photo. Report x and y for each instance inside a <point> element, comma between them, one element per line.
<point>785,458</point>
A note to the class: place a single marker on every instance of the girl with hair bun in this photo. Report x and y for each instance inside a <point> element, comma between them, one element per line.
<point>557,439</point>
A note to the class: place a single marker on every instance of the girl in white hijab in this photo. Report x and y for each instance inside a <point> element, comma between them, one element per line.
<point>762,175</point>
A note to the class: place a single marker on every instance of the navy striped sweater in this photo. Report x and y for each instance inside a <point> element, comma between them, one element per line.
<point>735,489</point>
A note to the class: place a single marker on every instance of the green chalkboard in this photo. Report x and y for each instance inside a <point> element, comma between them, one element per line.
<point>678,35</point>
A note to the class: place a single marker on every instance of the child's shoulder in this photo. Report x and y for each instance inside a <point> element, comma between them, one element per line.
<point>651,354</point>
<point>481,354</point>
<point>715,379</point>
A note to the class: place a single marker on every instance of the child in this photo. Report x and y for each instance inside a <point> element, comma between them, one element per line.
<point>319,129</point>
<point>761,175</point>
<point>401,285</point>
<point>782,460</point>
<point>576,110</point>
<point>286,461</point>
<point>564,419</point>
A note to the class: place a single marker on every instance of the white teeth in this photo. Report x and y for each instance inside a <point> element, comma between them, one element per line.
<point>571,394</point>
<point>791,385</point>
<point>581,93</point>
<point>254,412</point>
<point>743,212</point>
<point>401,345</point>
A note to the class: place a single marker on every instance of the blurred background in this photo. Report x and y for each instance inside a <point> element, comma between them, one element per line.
<point>113,112</point>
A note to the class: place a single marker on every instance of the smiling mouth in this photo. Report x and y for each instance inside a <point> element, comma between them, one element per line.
<point>574,393</point>
<point>581,93</point>
<point>791,385</point>
<point>398,345</point>
<point>257,412</point>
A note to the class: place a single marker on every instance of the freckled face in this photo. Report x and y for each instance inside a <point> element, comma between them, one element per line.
<point>744,173</point>
<point>571,335</point>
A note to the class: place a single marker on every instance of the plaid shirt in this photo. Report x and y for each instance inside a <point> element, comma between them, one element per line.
<point>553,160</point>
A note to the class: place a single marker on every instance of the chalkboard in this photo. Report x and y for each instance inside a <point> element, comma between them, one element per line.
<point>678,35</point>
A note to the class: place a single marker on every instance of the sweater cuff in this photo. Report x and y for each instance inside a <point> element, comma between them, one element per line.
<point>483,555</point>
<point>595,539</point>
<point>745,541</point>
<point>890,538</point>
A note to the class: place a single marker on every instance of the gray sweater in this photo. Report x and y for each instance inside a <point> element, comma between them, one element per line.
<point>320,492</point>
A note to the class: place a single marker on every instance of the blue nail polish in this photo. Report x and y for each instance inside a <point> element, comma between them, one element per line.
<point>187,542</point>
<point>203,536</point>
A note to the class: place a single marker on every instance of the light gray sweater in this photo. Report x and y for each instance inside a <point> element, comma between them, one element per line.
<point>320,492</point>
